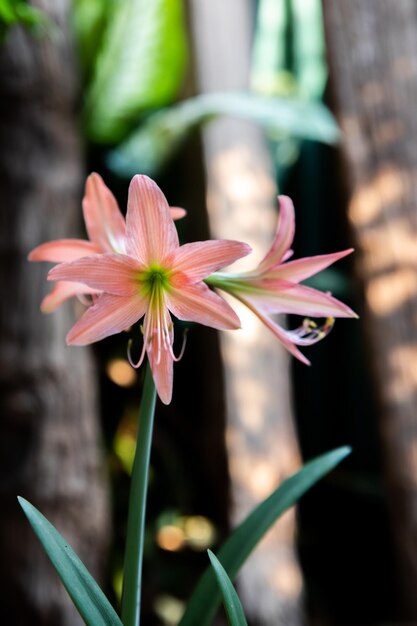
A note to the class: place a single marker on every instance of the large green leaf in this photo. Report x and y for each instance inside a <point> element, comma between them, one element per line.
<point>231,602</point>
<point>139,67</point>
<point>160,135</point>
<point>87,596</point>
<point>206,598</point>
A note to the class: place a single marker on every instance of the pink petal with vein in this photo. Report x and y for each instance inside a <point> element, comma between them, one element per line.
<point>279,296</point>
<point>296,271</point>
<point>162,369</point>
<point>63,250</point>
<point>114,273</point>
<point>200,259</point>
<point>163,375</point>
<point>281,334</point>
<point>104,222</point>
<point>197,303</point>
<point>283,237</point>
<point>110,315</point>
<point>150,232</point>
<point>61,292</point>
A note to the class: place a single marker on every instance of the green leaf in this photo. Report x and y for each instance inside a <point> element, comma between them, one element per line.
<point>139,67</point>
<point>206,598</point>
<point>148,149</point>
<point>87,596</point>
<point>232,605</point>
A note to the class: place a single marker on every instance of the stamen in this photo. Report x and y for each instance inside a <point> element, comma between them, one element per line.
<point>309,332</point>
<point>184,343</point>
<point>159,326</point>
<point>129,354</point>
<point>157,329</point>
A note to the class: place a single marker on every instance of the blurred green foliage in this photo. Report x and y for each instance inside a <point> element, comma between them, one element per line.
<point>137,66</point>
<point>89,21</point>
<point>19,12</point>
<point>133,57</point>
<point>156,140</point>
<point>288,50</point>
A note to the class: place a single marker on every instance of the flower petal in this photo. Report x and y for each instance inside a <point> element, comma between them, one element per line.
<point>63,250</point>
<point>63,291</point>
<point>306,335</point>
<point>197,303</point>
<point>150,232</point>
<point>163,375</point>
<point>162,365</point>
<point>104,222</point>
<point>283,237</point>
<point>177,213</point>
<point>299,270</point>
<point>201,258</point>
<point>280,333</point>
<point>114,273</point>
<point>110,315</point>
<point>280,296</point>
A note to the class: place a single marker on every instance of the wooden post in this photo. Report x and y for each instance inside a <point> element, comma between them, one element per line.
<point>49,440</point>
<point>372,50</point>
<point>242,205</point>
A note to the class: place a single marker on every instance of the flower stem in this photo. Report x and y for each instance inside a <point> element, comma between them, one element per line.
<point>132,578</point>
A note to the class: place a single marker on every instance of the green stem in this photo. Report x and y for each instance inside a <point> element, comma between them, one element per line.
<point>132,578</point>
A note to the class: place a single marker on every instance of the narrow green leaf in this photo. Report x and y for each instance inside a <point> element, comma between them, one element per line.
<point>148,148</point>
<point>206,598</point>
<point>231,602</point>
<point>92,604</point>
<point>139,67</point>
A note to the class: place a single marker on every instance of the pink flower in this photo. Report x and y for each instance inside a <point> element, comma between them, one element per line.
<point>106,230</point>
<point>273,287</point>
<point>151,276</point>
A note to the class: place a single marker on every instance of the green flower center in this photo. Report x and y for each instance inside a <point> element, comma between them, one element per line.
<point>154,280</point>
